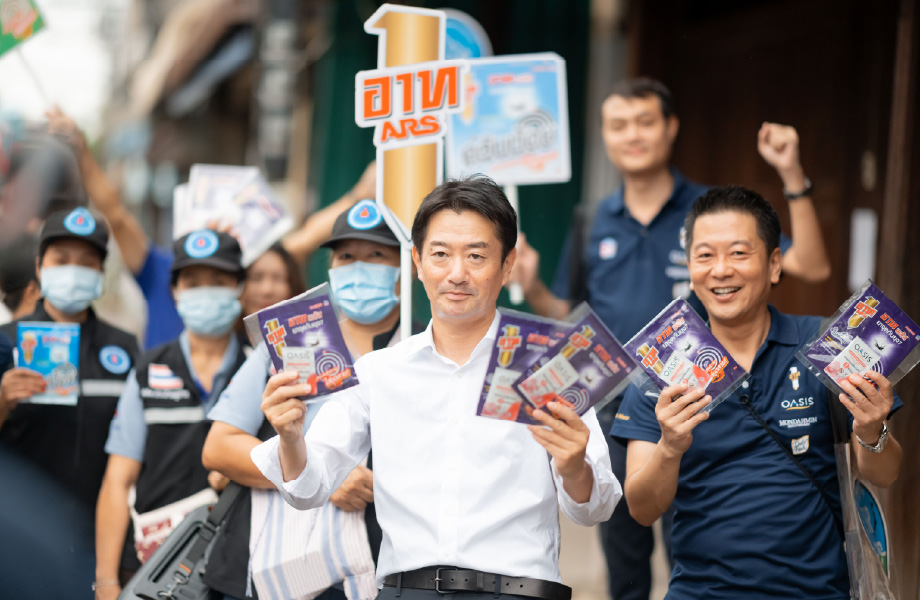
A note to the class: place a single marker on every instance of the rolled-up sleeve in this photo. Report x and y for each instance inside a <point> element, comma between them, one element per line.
<point>338,439</point>
<point>606,491</point>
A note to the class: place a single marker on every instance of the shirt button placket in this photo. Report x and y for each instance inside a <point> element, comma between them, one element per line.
<point>448,525</point>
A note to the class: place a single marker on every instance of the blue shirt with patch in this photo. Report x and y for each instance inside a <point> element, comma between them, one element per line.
<point>747,522</point>
<point>128,430</point>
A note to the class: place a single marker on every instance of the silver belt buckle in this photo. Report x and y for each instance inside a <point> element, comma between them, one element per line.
<point>438,580</point>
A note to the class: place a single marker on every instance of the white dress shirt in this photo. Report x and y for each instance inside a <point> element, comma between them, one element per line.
<point>450,487</point>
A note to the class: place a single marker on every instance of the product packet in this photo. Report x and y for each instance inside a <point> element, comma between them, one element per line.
<point>677,347</point>
<point>522,339</point>
<point>237,198</point>
<point>53,350</point>
<point>868,332</point>
<point>588,368</point>
<point>303,334</point>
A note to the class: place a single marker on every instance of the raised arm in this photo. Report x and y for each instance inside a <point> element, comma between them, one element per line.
<point>652,469</point>
<point>318,226</point>
<point>807,257</point>
<point>129,235</point>
<point>526,272</point>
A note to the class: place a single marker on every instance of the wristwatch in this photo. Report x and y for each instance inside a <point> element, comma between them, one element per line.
<point>809,188</point>
<point>880,444</point>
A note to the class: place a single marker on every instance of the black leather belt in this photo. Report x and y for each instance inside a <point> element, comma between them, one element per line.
<point>447,580</point>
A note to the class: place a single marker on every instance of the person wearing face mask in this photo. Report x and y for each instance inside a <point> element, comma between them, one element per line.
<point>155,440</point>
<point>67,442</point>
<point>364,273</point>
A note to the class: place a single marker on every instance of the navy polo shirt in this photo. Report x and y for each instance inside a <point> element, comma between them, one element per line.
<point>747,522</point>
<point>633,270</point>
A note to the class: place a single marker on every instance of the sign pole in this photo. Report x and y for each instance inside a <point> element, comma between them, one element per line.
<point>515,291</point>
<point>35,80</point>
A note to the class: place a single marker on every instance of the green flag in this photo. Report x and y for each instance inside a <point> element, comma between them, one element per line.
<point>19,20</point>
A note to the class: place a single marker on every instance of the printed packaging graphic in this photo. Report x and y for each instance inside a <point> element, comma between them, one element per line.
<point>869,332</point>
<point>522,339</point>
<point>677,347</point>
<point>589,368</point>
<point>238,197</point>
<point>302,334</point>
<point>52,349</point>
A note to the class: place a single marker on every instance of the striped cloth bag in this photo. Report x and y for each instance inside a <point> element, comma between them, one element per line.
<point>298,554</point>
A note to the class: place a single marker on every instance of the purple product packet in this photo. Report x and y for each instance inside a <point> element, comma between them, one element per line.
<point>590,368</point>
<point>522,339</point>
<point>677,347</point>
<point>303,334</point>
<point>868,332</point>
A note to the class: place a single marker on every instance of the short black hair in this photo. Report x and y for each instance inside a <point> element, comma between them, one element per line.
<point>734,198</point>
<point>645,87</point>
<point>477,193</point>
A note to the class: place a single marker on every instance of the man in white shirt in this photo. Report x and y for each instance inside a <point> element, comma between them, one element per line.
<point>467,504</point>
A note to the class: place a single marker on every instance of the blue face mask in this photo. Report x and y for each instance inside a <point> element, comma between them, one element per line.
<point>209,311</point>
<point>70,288</point>
<point>365,291</point>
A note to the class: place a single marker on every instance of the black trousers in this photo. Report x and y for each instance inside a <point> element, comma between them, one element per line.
<point>628,544</point>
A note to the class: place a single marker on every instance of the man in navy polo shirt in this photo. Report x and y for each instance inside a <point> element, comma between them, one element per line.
<point>748,522</point>
<point>629,263</point>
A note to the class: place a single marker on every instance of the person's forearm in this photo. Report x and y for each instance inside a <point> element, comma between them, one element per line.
<point>806,258</point>
<point>579,487</point>
<point>544,303</point>
<point>317,228</point>
<point>293,457</point>
<point>127,231</point>
<point>112,520</point>
<point>879,468</point>
<point>650,490</point>
<point>230,454</point>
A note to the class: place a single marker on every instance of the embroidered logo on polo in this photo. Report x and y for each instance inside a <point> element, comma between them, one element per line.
<point>114,359</point>
<point>364,215</point>
<point>794,375</point>
<point>201,244</point>
<point>800,445</point>
<point>80,222</point>
<point>607,249</point>
<point>161,377</point>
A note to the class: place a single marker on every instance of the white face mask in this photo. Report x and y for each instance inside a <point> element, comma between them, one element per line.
<point>209,311</point>
<point>70,288</point>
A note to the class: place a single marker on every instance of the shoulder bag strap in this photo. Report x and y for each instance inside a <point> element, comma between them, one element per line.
<point>215,518</point>
<point>746,403</point>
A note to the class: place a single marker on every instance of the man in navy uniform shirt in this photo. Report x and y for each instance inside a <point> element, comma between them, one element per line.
<point>748,522</point>
<point>629,263</point>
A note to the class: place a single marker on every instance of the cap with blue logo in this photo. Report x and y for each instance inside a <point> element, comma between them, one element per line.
<point>363,221</point>
<point>208,248</point>
<point>79,224</point>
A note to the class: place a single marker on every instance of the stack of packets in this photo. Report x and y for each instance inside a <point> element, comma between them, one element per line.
<point>677,347</point>
<point>302,334</point>
<point>537,360</point>
<point>868,332</point>
<point>53,350</point>
<point>235,197</point>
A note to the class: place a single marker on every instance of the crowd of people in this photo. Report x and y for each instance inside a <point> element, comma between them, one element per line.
<point>411,494</point>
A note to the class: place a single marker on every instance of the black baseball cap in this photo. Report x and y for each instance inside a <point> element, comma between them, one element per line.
<point>363,221</point>
<point>208,248</point>
<point>77,224</point>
